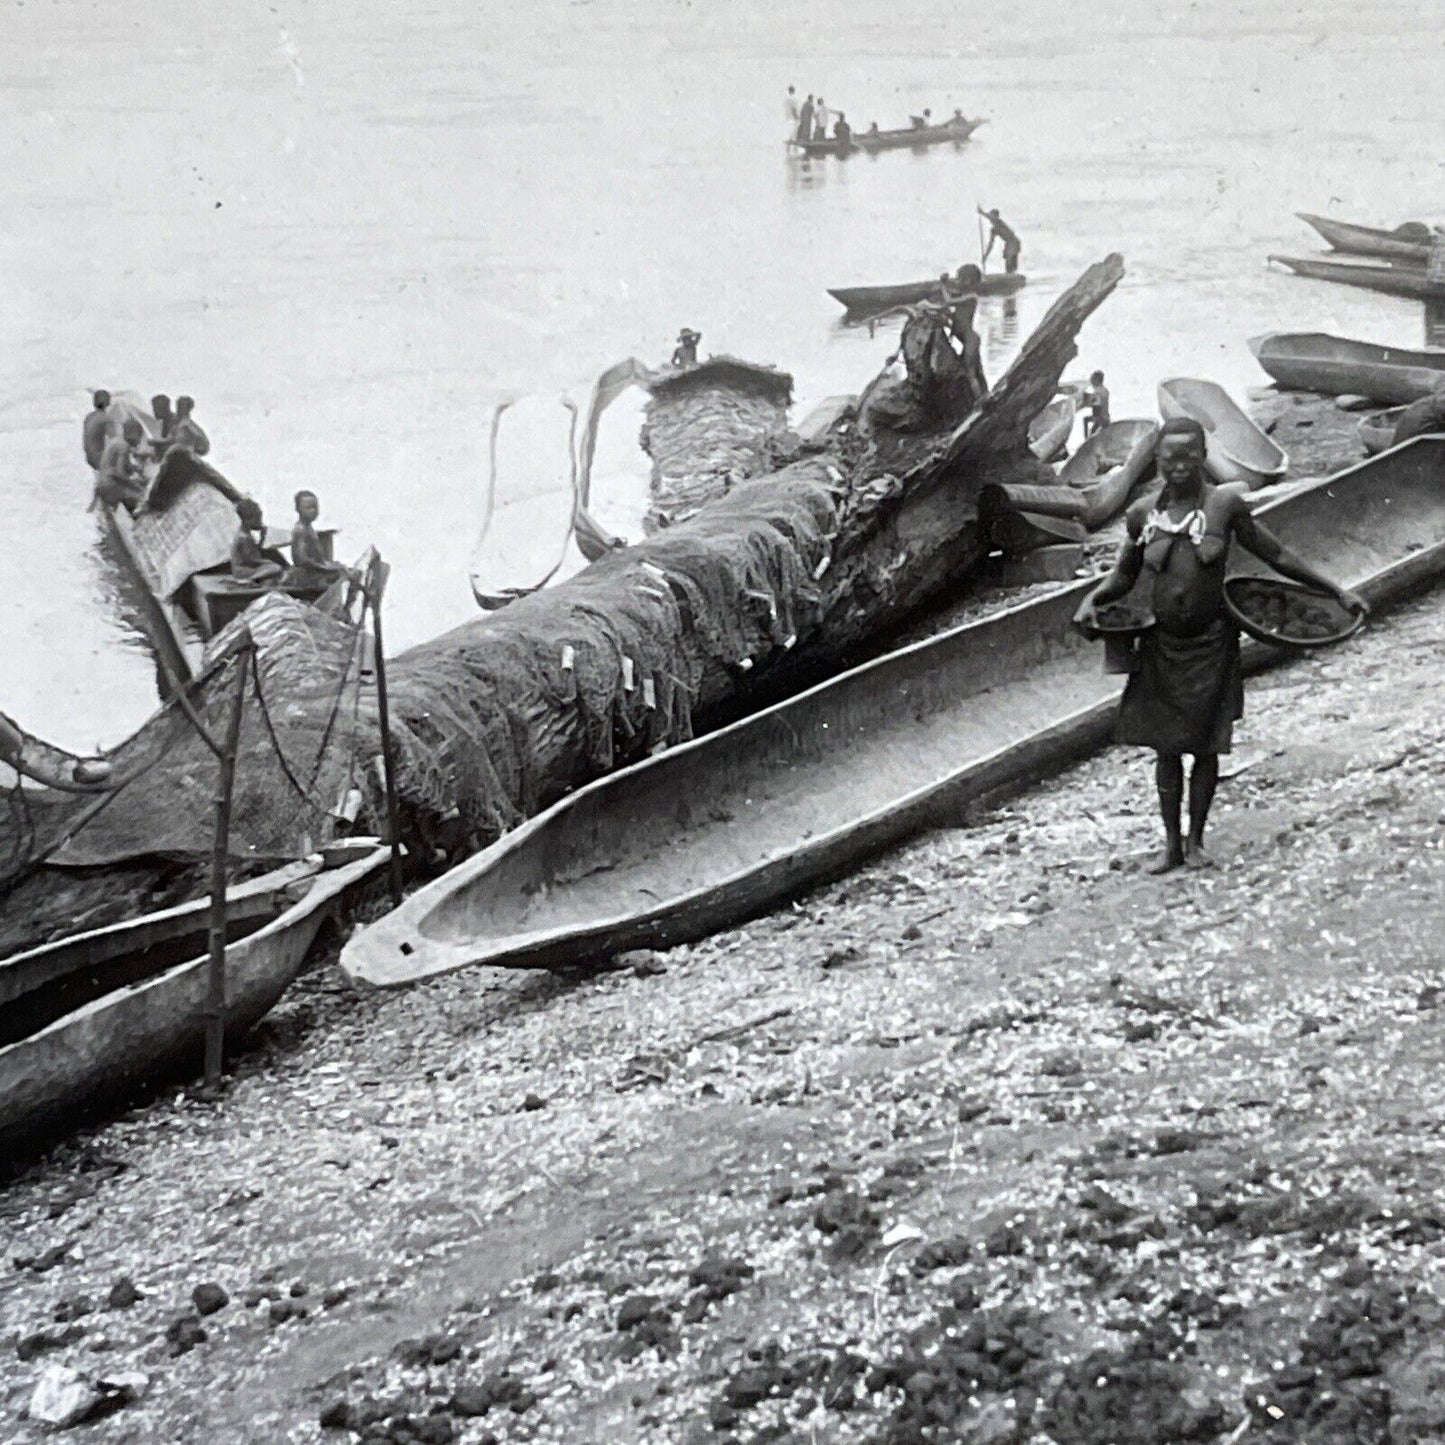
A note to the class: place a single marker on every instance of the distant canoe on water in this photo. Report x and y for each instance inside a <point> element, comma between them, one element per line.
<point>1235,449</point>
<point>1409,242</point>
<point>1389,280</point>
<point>861,300</point>
<point>1337,366</point>
<point>890,140</point>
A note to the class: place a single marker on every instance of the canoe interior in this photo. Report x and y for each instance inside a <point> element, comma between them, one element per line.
<point>715,830</point>
<point>1229,431</point>
<point>1121,443</point>
<point>1050,430</point>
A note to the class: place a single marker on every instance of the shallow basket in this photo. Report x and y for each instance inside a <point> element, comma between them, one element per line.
<point>1288,614</point>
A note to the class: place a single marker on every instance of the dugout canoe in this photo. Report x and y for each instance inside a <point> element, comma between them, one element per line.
<point>1408,242</point>
<point>1050,430</point>
<point>1125,446</point>
<point>1338,366</point>
<point>88,1018</point>
<point>712,832</point>
<point>861,300</point>
<point>1377,431</point>
<point>1388,280</point>
<point>907,137</point>
<point>1236,449</point>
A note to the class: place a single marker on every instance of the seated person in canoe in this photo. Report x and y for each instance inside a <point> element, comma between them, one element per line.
<point>685,353</point>
<point>921,122</point>
<point>310,566</point>
<point>251,562</point>
<point>1188,689</point>
<point>842,131</point>
<point>187,431</point>
<point>120,478</point>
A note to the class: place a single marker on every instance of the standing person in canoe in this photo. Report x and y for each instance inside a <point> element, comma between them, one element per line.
<point>790,109</point>
<point>805,120</point>
<point>1001,231</point>
<point>120,478</point>
<point>1096,398</point>
<point>1188,690</point>
<point>685,353</point>
<point>92,430</point>
<point>820,120</point>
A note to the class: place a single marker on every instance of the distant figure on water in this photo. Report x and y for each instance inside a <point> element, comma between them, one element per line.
<point>958,119</point>
<point>805,120</point>
<point>921,122</point>
<point>872,127</point>
<point>120,478</point>
<point>250,562</point>
<point>1000,230</point>
<point>92,430</point>
<point>187,432</point>
<point>842,131</point>
<point>685,353</point>
<point>790,107</point>
<point>1096,398</point>
<point>165,417</point>
<point>820,120</point>
<point>1187,690</point>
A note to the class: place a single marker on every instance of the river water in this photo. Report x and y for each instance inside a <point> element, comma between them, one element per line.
<point>348,230</point>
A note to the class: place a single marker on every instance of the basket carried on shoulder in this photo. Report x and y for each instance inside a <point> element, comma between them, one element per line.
<point>1289,614</point>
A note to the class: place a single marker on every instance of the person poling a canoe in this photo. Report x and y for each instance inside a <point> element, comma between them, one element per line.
<point>1188,689</point>
<point>1001,231</point>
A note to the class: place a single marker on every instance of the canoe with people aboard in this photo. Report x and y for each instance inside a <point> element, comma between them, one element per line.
<point>860,300</point>
<point>1338,366</point>
<point>1409,242</point>
<point>956,131</point>
<point>176,551</point>
<point>709,833</point>
<point>1235,448</point>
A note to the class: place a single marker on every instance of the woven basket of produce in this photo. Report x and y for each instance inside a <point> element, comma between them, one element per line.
<point>1120,624</point>
<point>1288,614</point>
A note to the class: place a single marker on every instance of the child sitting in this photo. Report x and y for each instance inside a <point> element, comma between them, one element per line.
<point>250,562</point>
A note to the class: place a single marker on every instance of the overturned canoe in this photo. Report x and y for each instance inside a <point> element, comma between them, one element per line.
<point>88,1017</point>
<point>716,830</point>
<point>1050,430</point>
<point>1236,449</point>
<point>907,137</point>
<point>1408,242</point>
<point>860,300</point>
<point>1337,366</point>
<point>1388,280</point>
<point>1377,431</point>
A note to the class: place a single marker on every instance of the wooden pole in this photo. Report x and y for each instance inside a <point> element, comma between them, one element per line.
<point>220,856</point>
<point>375,586</point>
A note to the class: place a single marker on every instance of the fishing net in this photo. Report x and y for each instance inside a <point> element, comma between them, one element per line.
<point>305,741</point>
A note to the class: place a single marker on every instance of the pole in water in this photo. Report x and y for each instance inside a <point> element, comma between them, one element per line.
<point>375,586</point>
<point>220,854</point>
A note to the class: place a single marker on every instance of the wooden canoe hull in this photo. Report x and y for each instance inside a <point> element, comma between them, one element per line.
<point>859,300</point>
<point>1236,450</point>
<point>1377,432</point>
<point>1338,366</point>
<point>1410,242</point>
<point>1050,430</point>
<point>717,830</point>
<point>909,138</point>
<point>153,1029</point>
<point>1388,280</point>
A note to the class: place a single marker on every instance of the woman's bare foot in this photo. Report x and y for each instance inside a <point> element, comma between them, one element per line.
<point>1196,857</point>
<point>1167,861</point>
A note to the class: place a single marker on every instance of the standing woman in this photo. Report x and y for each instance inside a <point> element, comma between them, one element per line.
<point>1188,691</point>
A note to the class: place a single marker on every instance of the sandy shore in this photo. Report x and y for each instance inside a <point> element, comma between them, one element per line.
<point>999,1139</point>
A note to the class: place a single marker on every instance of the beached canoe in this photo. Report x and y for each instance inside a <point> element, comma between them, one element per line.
<point>1237,451</point>
<point>709,833</point>
<point>1337,366</point>
<point>1409,242</point>
<point>860,300</point>
<point>1389,280</point>
<point>908,137</point>
<point>1377,431</point>
<point>1050,430</point>
<point>1126,445</point>
<point>86,1019</point>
